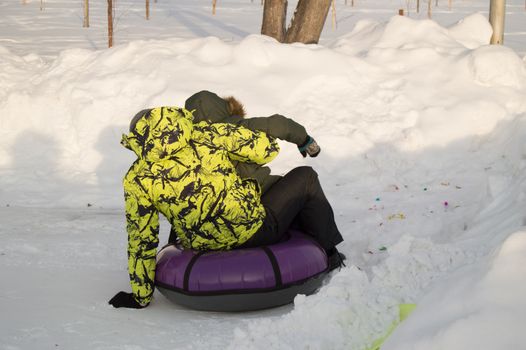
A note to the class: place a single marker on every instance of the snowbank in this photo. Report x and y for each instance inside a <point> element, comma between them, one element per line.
<point>478,307</point>
<point>71,111</point>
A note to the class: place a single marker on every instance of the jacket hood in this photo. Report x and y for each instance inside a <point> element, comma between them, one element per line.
<point>159,133</point>
<point>206,105</point>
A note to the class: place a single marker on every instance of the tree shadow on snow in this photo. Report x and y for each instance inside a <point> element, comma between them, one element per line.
<point>34,160</point>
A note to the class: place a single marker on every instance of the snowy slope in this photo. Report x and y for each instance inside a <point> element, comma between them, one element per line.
<point>421,127</point>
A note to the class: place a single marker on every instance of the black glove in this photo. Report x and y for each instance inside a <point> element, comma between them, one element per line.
<point>309,147</point>
<point>123,299</point>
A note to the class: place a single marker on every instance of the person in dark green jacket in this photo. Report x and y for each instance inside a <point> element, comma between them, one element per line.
<point>206,105</point>
<point>293,199</point>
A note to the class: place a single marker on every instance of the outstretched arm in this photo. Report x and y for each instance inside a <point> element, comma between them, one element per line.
<point>279,127</point>
<point>285,129</point>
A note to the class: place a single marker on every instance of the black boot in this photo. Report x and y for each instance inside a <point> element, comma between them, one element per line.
<point>335,259</point>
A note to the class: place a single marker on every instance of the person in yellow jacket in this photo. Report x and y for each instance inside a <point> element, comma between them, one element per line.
<point>185,172</point>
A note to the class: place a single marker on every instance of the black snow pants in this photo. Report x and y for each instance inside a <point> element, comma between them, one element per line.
<point>297,199</point>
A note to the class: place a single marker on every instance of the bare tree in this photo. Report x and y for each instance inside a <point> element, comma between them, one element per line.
<point>86,14</point>
<point>334,21</point>
<point>274,16</point>
<point>110,23</point>
<point>429,9</point>
<point>306,24</point>
<point>308,21</point>
<point>147,9</point>
<point>497,12</point>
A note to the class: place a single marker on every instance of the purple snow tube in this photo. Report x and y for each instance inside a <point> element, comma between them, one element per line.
<point>242,279</point>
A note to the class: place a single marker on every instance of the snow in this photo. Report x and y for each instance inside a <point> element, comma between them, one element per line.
<point>494,297</point>
<point>421,125</point>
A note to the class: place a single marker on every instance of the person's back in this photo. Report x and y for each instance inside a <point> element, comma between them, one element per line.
<point>184,171</point>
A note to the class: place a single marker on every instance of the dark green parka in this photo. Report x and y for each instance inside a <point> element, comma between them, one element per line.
<point>208,106</point>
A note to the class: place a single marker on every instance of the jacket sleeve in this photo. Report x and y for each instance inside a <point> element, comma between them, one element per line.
<point>241,143</point>
<point>279,127</point>
<point>142,224</point>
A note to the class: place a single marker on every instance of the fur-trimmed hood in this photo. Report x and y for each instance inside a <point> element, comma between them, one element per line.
<point>206,105</point>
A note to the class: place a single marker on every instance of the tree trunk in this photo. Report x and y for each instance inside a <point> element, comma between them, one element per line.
<point>110,23</point>
<point>497,10</point>
<point>334,21</point>
<point>86,14</point>
<point>147,9</point>
<point>308,21</point>
<point>429,9</point>
<point>274,17</point>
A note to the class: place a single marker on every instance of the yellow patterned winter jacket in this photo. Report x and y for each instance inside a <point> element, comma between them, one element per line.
<point>184,171</point>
